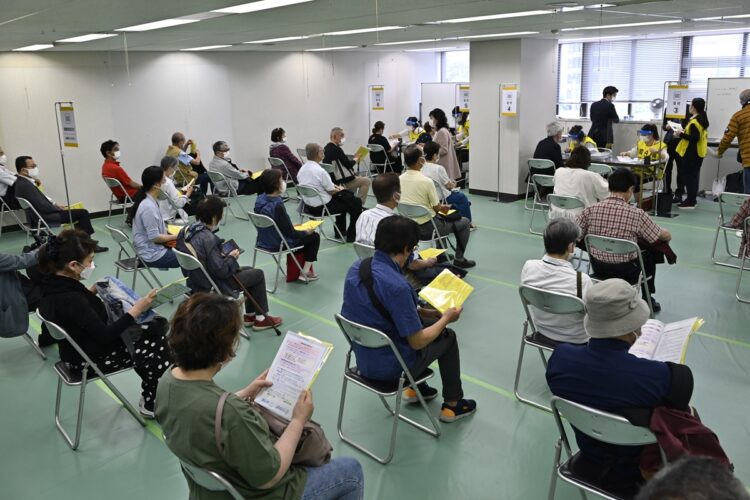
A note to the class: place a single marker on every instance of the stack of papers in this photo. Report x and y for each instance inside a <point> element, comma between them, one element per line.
<point>676,127</point>
<point>255,175</point>
<point>665,342</point>
<point>430,253</point>
<point>627,159</point>
<point>309,225</point>
<point>446,291</point>
<point>173,229</point>
<point>451,211</point>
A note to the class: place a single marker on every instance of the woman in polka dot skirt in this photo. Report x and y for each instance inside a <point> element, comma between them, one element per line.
<point>67,260</point>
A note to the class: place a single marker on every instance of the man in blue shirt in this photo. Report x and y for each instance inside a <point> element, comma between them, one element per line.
<point>403,320</point>
<point>604,375</point>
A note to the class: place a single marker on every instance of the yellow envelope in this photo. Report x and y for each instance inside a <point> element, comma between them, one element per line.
<point>362,151</point>
<point>429,253</point>
<point>76,206</point>
<point>255,175</point>
<point>451,211</point>
<point>311,224</point>
<point>173,229</point>
<point>446,290</point>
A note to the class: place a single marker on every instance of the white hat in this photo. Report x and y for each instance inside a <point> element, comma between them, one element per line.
<point>613,308</point>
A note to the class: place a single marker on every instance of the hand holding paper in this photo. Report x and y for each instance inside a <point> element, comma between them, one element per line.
<point>446,291</point>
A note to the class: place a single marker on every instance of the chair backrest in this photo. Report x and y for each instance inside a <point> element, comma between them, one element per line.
<point>209,480</point>
<point>729,204</point>
<point>188,262</point>
<point>601,169</point>
<point>412,211</point>
<point>364,251</point>
<point>261,221</point>
<point>542,180</point>
<point>363,335</point>
<point>25,205</point>
<point>117,235</point>
<point>276,162</point>
<point>309,192</point>
<point>216,176</point>
<point>611,245</point>
<point>540,163</point>
<point>375,148</point>
<point>328,167</point>
<point>59,333</point>
<point>114,183</point>
<point>302,154</point>
<point>564,201</point>
<point>549,301</point>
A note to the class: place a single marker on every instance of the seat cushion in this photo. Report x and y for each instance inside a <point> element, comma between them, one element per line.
<point>70,375</point>
<point>578,469</point>
<point>539,340</point>
<point>129,265</point>
<point>384,386</point>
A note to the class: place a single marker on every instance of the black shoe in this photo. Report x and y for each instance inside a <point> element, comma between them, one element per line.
<point>655,305</point>
<point>686,206</point>
<point>99,249</point>
<point>464,263</point>
<point>677,199</point>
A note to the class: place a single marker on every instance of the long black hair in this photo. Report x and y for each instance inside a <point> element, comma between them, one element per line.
<point>700,106</point>
<point>441,121</point>
<point>149,178</point>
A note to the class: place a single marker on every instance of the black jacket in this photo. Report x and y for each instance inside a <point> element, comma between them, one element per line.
<point>25,188</point>
<point>548,149</point>
<point>380,140</point>
<point>68,303</point>
<point>342,165</point>
<point>603,114</point>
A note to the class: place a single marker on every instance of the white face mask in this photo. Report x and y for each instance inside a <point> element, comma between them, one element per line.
<point>283,187</point>
<point>433,123</point>
<point>342,141</point>
<point>3,160</point>
<point>34,172</point>
<point>283,139</point>
<point>116,155</point>
<point>87,271</point>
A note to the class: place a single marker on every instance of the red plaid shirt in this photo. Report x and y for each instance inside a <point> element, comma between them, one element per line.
<point>738,221</point>
<point>615,218</point>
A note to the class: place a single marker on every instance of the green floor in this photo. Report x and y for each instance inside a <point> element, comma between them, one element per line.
<point>504,451</point>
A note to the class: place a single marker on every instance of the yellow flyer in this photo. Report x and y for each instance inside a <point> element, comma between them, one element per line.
<point>430,253</point>
<point>446,291</point>
<point>309,225</point>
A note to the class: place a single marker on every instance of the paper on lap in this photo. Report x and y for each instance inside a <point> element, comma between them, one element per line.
<point>665,342</point>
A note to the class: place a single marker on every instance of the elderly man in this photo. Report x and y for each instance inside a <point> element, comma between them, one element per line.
<point>549,148</point>
<point>343,174</point>
<point>739,126</point>
<point>190,166</point>
<point>237,177</point>
<point>335,198</point>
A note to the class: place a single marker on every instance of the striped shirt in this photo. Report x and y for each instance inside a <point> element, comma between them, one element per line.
<point>368,221</point>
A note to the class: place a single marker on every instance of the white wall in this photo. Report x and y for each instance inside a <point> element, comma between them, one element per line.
<point>237,97</point>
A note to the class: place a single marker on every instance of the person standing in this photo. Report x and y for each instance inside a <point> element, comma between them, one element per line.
<point>692,149</point>
<point>442,135</point>
<point>739,127</point>
<point>603,114</point>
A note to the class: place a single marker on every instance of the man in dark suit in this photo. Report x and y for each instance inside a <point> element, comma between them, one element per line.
<point>603,114</point>
<point>52,213</point>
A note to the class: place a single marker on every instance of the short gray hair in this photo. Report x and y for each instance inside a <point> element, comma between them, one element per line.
<point>559,234</point>
<point>312,149</point>
<point>745,96</point>
<point>554,128</point>
<point>168,162</point>
<point>336,130</point>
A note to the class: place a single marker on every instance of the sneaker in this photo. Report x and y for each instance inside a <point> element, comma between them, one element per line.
<point>268,322</point>
<point>463,408</point>
<point>472,227</point>
<point>686,206</point>
<point>307,277</point>
<point>428,393</point>
<point>655,305</point>
<point>147,410</point>
<point>677,199</point>
<point>99,249</point>
<point>464,263</point>
<point>249,319</point>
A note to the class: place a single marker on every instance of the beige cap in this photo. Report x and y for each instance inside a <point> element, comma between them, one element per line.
<point>613,308</point>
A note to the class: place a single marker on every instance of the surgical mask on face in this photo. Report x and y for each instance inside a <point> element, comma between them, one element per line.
<point>116,155</point>
<point>87,271</point>
<point>34,172</point>
<point>283,187</point>
<point>433,123</point>
<point>283,139</point>
<point>3,160</point>
<point>343,140</point>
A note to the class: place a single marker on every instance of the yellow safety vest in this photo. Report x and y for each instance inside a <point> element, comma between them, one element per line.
<point>464,129</point>
<point>701,146</point>
<point>414,134</point>
<point>643,150</point>
<point>586,140</point>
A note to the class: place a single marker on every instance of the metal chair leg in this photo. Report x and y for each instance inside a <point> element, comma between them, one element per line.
<point>34,345</point>
<point>739,282</point>
<point>555,465</point>
<point>73,443</point>
<point>519,367</point>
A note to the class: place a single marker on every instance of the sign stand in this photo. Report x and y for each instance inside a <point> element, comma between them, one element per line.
<point>508,109</point>
<point>675,108</point>
<point>65,119</point>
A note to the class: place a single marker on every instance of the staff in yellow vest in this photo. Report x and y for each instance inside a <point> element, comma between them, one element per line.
<point>411,133</point>
<point>648,145</point>
<point>577,137</point>
<point>691,150</point>
<point>462,127</point>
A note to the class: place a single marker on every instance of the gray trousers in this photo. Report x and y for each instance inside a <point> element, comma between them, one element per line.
<point>255,282</point>
<point>459,228</point>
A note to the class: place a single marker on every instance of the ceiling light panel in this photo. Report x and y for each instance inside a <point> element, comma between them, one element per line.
<point>207,47</point>
<point>406,42</point>
<point>626,25</point>
<point>495,16</point>
<point>496,35</point>
<point>165,23</point>
<point>87,38</point>
<point>32,48</point>
<point>282,39</point>
<point>363,30</point>
<point>259,5</point>
<point>326,49</point>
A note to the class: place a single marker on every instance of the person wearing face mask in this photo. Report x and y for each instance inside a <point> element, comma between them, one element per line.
<point>271,204</point>
<point>279,149</point>
<point>7,179</point>
<point>649,145</point>
<point>184,202</point>
<point>391,152</point>
<point>150,237</point>
<point>191,166</point>
<point>411,133</point>
<point>577,137</point>
<point>691,149</point>
<point>555,273</point>
<point>377,295</point>
<point>249,457</point>
<point>343,175</point>
<point>439,176</point>
<point>605,376</point>
<point>603,114</point>
<point>238,178</point>
<point>67,260</point>
<point>739,127</point>
<point>111,168</point>
<point>200,240</point>
<point>53,213</point>
<point>442,136</point>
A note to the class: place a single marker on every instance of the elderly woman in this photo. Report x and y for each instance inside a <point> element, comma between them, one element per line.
<point>574,179</point>
<point>203,339</point>
<point>180,200</point>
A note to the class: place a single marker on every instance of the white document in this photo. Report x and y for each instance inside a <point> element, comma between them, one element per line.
<point>627,159</point>
<point>297,363</point>
<point>665,342</point>
<point>676,127</point>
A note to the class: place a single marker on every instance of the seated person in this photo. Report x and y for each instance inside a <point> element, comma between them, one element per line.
<point>419,345</point>
<point>694,478</point>
<point>150,237</point>
<point>391,152</point>
<point>337,199</point>
<point>648,146</point>
<point>7,179</point>
<point>15,302</point>
<point>68,259</point>
<point>577,137</point>
<point>179,199</point>
<point>279,149</point>
<point>411,133</point>
<point>738,221</point>
<point>417,189</point>
<point>426,135</point>
<point>238,178</point>
<point>191,165</point>
<point>253,460</point>
<point>111,168</point>
<point>549,148</point>
<point>437,174</point>
<point>198,239</point>
<point>605,376</point>
<point>574,179</point>
<point>616,218</point>
<point>343,174</point>
<point>555,273</point>
<point>53,214</point>
<point>271,204</point>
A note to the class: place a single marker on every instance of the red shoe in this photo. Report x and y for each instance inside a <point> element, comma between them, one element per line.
<point>249,319</point>
<point>268,322</point>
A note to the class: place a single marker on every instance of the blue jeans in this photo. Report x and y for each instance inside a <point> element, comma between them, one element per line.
<point>341,478</point>
<point>746,179</point>
<point>166,261</point>
<point>460,202</point>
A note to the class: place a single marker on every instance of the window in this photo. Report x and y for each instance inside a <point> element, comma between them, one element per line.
<point>711,57</point>
<point>455,66</point>
<point>569,80</point>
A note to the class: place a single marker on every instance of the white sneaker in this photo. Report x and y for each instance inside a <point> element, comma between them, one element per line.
<point>308,277</point>
<point>149,414</point>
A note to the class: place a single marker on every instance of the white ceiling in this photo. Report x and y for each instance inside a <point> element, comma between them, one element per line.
<point>26,22</point>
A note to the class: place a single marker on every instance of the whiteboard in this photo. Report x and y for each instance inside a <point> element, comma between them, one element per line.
<point>438,95</point>
<point>722,101</point>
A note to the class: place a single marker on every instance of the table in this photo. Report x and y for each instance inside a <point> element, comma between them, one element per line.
<point>652,173</point>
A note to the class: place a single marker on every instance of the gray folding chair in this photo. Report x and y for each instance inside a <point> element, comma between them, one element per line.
<point>381,168</point>
<point>279,164</point>
<point>126,203</point>
<point>189,262</point>
<point>418,211</point>
<point>619,246</point>
<point>363,251</point>
<point>209,480</point>
<point>601,169</point>
<point>746,300</point>
<point>4,207</point>
<point>71,378</point>
<point>539,181</point>
<point>163,196</point>
<point>131,262</point>
<point>220,179</point>
<point>370,338</point>
<point>439,192</point>
<point>600,425</point>
<point>31,213</point>
<point>312,193</point>
<point>729,204</point>
<point>328,167</point>
<point>302,154</point>
<point>551,302</point>
<point>261,221</point>
<point>536,166</point>
<point>567,203</point>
